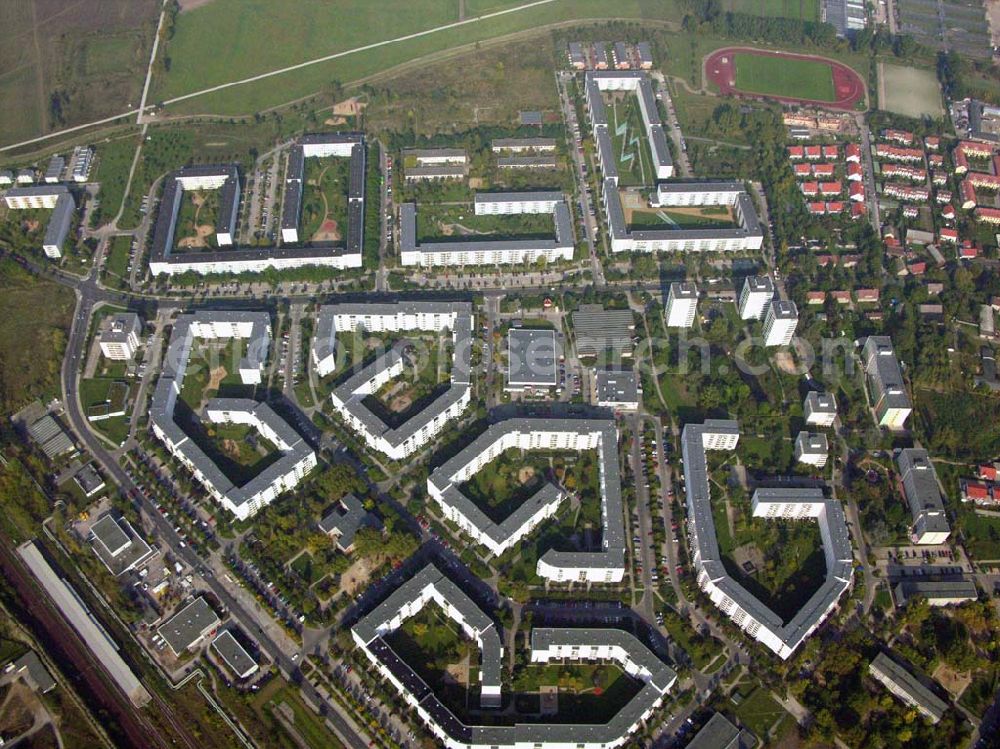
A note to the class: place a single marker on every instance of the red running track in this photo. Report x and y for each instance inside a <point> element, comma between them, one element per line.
<point>720,69</point>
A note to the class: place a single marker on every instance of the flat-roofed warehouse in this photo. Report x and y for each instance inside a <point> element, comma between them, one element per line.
<point>116,543</point>
<point>185,629</point>
<point>531,359</point>
<point>937,592</point>
<point>235,656</point>
<point>617,389</point>
<point>598,330</point>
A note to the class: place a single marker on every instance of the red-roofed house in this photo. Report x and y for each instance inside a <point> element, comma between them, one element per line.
<point>849,261</point>
<point>824,260</point>
<point>815,297</point>
<point>834,206</point>
<point>932,142</point>
<point>816,209</point>
<point>809,188</point>
<point>854,171</point>
<point>801,170</point>
<point>988,472</point>
<point>975,491</point>
<point>867,296</point>
<point>858,210</point>
<point>988,215</point>
<point>968,195</point>
<point>831,152</point>
<point>854,153</point>
<point>936,160</point>
<point>948,235</point>
<point>961,163</point>
<point>823,170</point>
<point>917,269</point>
<point>948,212</point>
<point>795,152</point>
<point>814,153</point>
<point>831,188</point>
<point>974,148</point>
<point>968,251</point>
<point>857,192</point>
<point>841,297</point>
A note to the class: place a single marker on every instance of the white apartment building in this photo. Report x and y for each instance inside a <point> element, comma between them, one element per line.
<point>780,321</point>
<point>756,295</point>
<point>890,400</point>
<point>682,305</point>
<point>923,495</point>
<point>55,197</point>
<point>510,203</point>
<point>812,448</point>
<point>606,565</point>
<point>120,336</point>
<point>704,193</point>
<point>297,458</point>
<point>820,409</point>
<point>745,610</point>
<point>348,399</point>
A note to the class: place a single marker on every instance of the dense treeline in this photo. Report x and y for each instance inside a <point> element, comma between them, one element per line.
<point>708,15</point>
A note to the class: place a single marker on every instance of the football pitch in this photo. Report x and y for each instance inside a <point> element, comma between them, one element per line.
<point>777,76</point>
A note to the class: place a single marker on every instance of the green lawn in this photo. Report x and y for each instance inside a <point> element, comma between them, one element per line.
<point>806,10</point>
<point>759,711</point>
<point>199,211</point>
<point>113,162</point>
<point>705,218</point>
<point>325,199</point>
<point>635,164</point>
<point>459,222</point>
<point>776,76</point>
<point>590,692</point>
<point>117,258</point>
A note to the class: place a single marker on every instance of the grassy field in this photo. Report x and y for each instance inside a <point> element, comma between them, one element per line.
<point>237,60</point>
<point>196,220</point>
<point>805,10</point>
<point>117,260</point>
<point>31,310</point>
<point>705,218</point>
<point>68,63</point>
<point>637,170</point>
<point>805,79</point>
<point>459,223</point>
<point>325,199</point>
<point>909,91</point>
<point>759,711</point>
<point>114,159</point>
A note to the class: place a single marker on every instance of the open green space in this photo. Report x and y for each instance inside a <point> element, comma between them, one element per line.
<point>213,369</point>
<point>35,310</point>
<point>590,693</point>
<point>62,64</point>
<point>113,160</point>
<point>715,217</point>
<point>805,10</point>
<point>116,263</point>
<point>440,223</point>
<point>781,562</point>
<point>913,92</point>
<point>196,220</point>
<point>502,485</point>
<point>982,535</point>
<point>630,146</point>
<point>324,200</point>
<point>959,424</point>
<point>777,76</point>
<point>426,372</point>
<point>759,712</point>
<point>239,451</point>
<point>700,648</point>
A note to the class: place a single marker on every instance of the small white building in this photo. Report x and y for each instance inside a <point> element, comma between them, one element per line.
<point>120,336</point>
<point>812,448</point>
<point>820,409</point>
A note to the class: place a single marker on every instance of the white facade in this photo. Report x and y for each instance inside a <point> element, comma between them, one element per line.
<point>812,448</point>
<point>120,337</point>
<point>511,203</point>
<point>682,305</point>
<point>711,193</point>
<point>780,322</point>
<point>755,296</point>
<point>466,255</point>
<point>820,409</point>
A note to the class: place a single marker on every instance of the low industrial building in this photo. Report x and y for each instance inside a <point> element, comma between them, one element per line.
<point>741,606</point>
<point>935,592</point>
<point>523,145</point>
<point>604,566</point>
<point>234,655</point>
<point>117,545</point>
<point>531,360</point>
<point>617,389</point>
<point>547,645</point>
<point>598,330</point>
<point>349,397</point>
<point>720,733</point>
<point>885,381</point>
<point>923,495</point>
<point>30,668</point>
<point>50,437</point>
<point>492,251</point>
<point>186,629</point>
<point>89,480</point>
<point>297,457</point>
<point>120,336</point>
<point>907,687</point>
<point>820,409</point>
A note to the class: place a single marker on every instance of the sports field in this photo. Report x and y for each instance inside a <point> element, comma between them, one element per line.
<point>909,91</point>
<point>776,76</point>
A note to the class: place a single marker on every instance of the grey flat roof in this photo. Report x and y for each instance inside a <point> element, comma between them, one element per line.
<point>783,309</point>
<point>119,327</point>
<point>519,197</point>
<point>932,590</point>
<point>234,654</point>
<point>920,485</point>
<point>532,356</point>
<point>909,684</point>
<point>884,373</point>
<point>597,329</point>
<point>39,191</point>
<point>759,284</point>
<point>720,733</point>
<point>614,386</point>
<point>700,186</point>
<point>504,143</point>
<point>683,291</point>
<point>435,153</point>
<point>188,625</point>
<point>110,535</point>
<point>118,545</point>
<point>821,402</point>
<point>36,671</point>
<point>346,518</point>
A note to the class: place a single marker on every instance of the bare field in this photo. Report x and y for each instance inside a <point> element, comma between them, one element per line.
<point>909,91</point>
<point>485,87</point>
<point>65,63</point>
